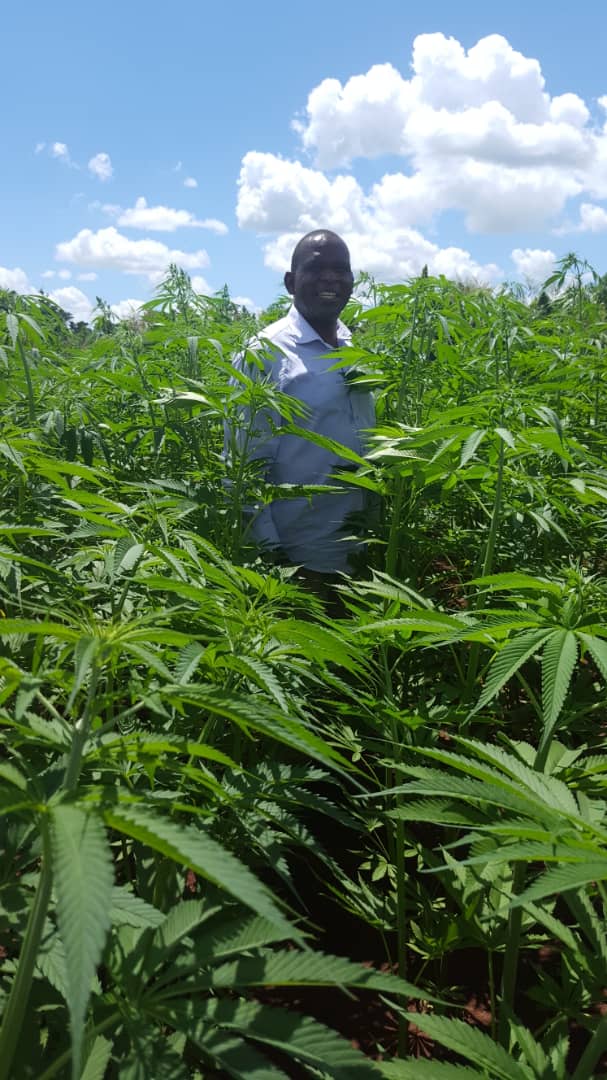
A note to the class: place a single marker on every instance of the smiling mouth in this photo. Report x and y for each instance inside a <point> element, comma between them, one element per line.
<point>328,295</point>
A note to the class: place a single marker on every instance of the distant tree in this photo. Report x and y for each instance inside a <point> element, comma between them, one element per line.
<point>7,299</point>
<point>105,321</point>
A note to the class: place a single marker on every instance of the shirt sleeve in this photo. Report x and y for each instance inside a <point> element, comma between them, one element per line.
<point>254,437</point>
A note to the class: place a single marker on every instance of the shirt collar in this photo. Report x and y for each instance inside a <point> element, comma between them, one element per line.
<point>303,332</point>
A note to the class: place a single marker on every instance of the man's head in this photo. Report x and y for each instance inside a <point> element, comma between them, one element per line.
<point>320,279</point>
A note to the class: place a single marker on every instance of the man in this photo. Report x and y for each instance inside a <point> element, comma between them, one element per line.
<point>312,532</point>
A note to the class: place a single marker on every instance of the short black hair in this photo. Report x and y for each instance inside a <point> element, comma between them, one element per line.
<point>305,241</point>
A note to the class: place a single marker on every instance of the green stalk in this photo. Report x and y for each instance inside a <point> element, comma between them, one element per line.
<point>65,1058</point>
<point>515,922</point>
<point>398,834</point>
<point>496,518</point>
<point>81,734</point>
<point>492,998</point>
<point>14,1013</point>
<point>28,378</point>
<point>593,1052</point>
<point>394,535</point>
<point>20,989</point>
<point>401,923</point>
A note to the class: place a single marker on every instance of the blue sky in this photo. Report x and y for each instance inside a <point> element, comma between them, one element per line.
<point>459,161</point>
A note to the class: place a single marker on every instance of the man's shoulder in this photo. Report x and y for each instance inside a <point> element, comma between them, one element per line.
<point>276,331</point>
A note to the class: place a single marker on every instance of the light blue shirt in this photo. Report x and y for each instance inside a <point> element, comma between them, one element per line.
<point>311,531</point>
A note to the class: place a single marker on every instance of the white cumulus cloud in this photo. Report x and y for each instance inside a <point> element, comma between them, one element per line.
<point>476,129</point>
<point>14,279</point>
<point>284,197</point>
<point>88,276</point>
<point>162,218</point>
<point>534,264</point>
<point>246,302</point>
<point>592,218</point>
<point>74,301</point>
<point>478,135</point>
<point>190,182</point>
<point>201,285</point>
<point>109,249</point>
<point>126,309</point>
<point>60,150</point>
<point>101,166</point>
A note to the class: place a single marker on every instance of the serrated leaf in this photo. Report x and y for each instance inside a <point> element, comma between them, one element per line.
<point>294,968</point>
<point>515,581</point>
<point>180,921</point>
<point>558,661</point>
<point>239,1058</point>
<point>562,879</point>
<point>151,1057</point>
<point>188,661</point>
<point>130,910</point>
<point>11,774</point>
<point>301,1037</point>
<point>194,848</point>
<point>472,1044</point>
<point>598,651</point>
<point>97,1061</point>
<point>84,655</point>
<point>127,560</point>
<point>471,445</point>
<point>262,675</point>
<point>508,661</point>
<point>84,879</point>
<point>421,1069</point>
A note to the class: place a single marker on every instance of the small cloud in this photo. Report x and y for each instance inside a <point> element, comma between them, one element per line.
<point>101,166</point>
<point>74,301</point>
<point>65,275</point>
<point>178,167</point>
<point>201,285</point>
<point>39,147</point>
<point>89,276</point>
<point>534,264</point>
<point>47,274</point>
<point>592,218</point>
<point>190,182</point>
<point>111,209</point>
<point>214,225</point>
<point>110,250</point>
<point>60,150</point>
<point>15,279</point>
<point>246,302</point>
<point>161,218</point>
<point>126,309</point>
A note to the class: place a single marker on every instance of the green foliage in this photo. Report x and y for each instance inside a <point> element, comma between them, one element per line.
<point>213,783</point>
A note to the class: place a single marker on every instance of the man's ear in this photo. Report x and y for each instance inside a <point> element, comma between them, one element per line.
<point>289,283</point>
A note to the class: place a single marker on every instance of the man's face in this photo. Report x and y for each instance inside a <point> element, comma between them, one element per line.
<point>322,281</point>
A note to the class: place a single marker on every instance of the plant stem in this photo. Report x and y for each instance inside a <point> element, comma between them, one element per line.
<point>492,998</point>
<point>81,733</point>
<point>593,1052</point>
<point>65,1058</point>
<point>28,379</point>
<point>515,922</point>
<point>488,561</point>
<point>14,1013</point>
